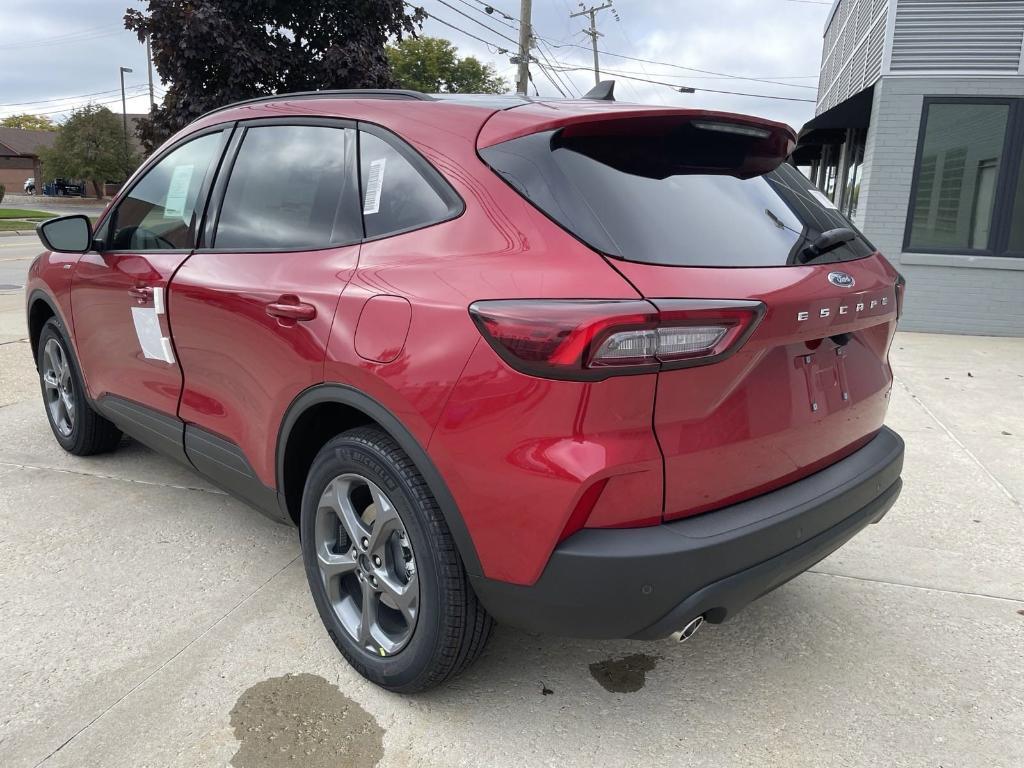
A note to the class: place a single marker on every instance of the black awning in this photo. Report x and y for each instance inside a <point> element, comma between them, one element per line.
<point>855,112</point>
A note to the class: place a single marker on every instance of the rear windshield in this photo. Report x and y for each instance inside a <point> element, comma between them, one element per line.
<point>674,200</point>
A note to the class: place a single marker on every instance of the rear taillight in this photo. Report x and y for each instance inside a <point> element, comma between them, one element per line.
<point>589,340</point>
<point>901,289</point>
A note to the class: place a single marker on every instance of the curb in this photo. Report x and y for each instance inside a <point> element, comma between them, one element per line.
<point>17,232</point>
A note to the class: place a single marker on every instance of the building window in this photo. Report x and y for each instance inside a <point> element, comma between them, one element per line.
<point>968,190</point>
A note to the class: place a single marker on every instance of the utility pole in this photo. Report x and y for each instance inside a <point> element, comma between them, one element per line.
<point>594,34</point>
<point>149,70</point>
<point>525,35</point>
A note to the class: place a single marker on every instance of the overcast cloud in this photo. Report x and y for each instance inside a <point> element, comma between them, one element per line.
<point>51,50</point>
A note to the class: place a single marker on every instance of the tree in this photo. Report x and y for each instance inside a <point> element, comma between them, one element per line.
<point>219,51</point>
<point>90,145</point>
<point>28,122</point>
<point>432,65</point>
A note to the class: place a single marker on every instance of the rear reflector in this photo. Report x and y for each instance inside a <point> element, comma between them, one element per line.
<point>591,340</point>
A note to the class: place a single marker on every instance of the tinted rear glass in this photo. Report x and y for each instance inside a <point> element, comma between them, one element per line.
<point>673,202</point>
<point>291,187</point>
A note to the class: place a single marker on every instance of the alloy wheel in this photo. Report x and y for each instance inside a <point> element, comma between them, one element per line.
<point>59,387</point>
<point>366,561</point>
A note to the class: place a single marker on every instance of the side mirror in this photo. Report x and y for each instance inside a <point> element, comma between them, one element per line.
<point>67,234</point>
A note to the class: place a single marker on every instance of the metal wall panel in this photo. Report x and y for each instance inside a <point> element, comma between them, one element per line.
<point>958,36</point>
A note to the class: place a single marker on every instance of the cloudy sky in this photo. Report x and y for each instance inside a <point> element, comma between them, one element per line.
<point>56,54</point>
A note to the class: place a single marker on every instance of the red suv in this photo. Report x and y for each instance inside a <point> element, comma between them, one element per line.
<point>587,368</point>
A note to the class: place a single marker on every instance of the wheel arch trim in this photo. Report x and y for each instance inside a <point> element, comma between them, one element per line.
<point>37,295</point>
<point>353,398</point>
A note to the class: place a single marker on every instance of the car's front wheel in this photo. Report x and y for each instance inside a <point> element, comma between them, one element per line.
<point>384,571</point>
<point>77,427</point>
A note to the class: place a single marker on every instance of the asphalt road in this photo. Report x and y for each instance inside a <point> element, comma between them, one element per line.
<point>16,253</point>
<point>146,619</point>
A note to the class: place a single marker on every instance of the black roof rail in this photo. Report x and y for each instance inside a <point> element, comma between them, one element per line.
<point>346,93</point>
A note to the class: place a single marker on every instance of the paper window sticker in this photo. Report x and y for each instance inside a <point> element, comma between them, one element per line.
<point>823,199</point>
<point>374,184</point>
<point>177,191</point>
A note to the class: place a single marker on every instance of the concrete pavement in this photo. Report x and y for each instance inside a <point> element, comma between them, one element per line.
<point>146,619</point>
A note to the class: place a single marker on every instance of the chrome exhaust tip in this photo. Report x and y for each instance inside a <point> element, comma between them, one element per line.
<point>688,631</point>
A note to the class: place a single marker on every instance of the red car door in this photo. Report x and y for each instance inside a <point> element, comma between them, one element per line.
<point>252,313</point>
<point>118,293</point>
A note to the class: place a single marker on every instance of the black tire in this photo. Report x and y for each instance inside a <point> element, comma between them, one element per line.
<point>86,433</point>
<point>452,627</point>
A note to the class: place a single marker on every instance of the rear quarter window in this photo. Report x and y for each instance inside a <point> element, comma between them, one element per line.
<point>400,190</point>
<point>672,200</point>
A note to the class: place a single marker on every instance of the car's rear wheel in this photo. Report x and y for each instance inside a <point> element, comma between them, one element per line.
<point>384,571</point>
<point>77,427</point>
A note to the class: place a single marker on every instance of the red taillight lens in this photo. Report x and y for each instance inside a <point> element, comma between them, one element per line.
<point>587,340</point>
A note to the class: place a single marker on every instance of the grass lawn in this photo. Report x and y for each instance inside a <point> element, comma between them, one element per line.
<point>22,213</point>
<point>21,226</point>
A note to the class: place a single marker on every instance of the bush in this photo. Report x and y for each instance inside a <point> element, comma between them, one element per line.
<point>3,189</point>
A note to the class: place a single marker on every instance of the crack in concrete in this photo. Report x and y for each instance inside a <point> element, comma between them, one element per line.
<point>102,476</point>
<point>182,650</point>
<point>917,586</point>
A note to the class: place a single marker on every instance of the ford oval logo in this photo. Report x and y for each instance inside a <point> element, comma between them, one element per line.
<point>841,280</point>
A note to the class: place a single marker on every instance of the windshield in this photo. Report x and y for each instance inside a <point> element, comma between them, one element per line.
<point>674,201</point>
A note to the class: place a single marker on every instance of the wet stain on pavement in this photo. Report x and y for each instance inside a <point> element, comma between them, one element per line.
<point>303,720</point>
<point>625,675</point>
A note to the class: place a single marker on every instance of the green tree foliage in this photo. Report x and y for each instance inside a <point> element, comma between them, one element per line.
<point>28,122</point>
<point>219,51</point>
<point>432,65</point>
<point>90,145</point>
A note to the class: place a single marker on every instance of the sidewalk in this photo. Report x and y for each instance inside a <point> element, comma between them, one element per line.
<point>148,619</point>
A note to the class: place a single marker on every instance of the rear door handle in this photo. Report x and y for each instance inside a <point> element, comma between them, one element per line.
<point>290,308</point>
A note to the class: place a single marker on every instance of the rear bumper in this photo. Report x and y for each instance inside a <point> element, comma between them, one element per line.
<point>646,583</point>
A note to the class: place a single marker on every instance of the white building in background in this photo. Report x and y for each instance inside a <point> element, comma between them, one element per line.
<point>919,137</point>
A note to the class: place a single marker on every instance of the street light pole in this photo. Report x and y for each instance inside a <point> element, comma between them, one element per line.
<point>124,118</point>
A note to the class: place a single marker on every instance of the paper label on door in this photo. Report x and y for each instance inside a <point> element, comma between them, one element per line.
<point>147,329</point>
<point>177,191</point>
<point>374,184</point>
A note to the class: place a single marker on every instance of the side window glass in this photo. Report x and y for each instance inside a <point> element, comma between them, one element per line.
<point>292,187</point>
<point>162,211</point>
<point>396,196</point>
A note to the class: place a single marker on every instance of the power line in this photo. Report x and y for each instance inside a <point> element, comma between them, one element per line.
<point>625,73</point>
<point>77,37</point>
<point>562,77</point>
<point>19,104</point>
<point>675,86</point>
<point>92,103</point>
<point>483,12</point>
<point>544,72</point>
<point>675,66</point>
<point>629,42</point>
<point>466,15</point>
<point>457,29</point>
<point>508,16</point>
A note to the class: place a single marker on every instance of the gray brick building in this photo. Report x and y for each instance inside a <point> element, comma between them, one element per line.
<point>919,138</point>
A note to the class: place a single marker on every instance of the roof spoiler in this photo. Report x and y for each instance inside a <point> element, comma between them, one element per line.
<point>603,91</point>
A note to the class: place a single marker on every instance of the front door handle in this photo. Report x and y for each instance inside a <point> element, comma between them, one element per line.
<point>141,292</point>
<point>290,308</point>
